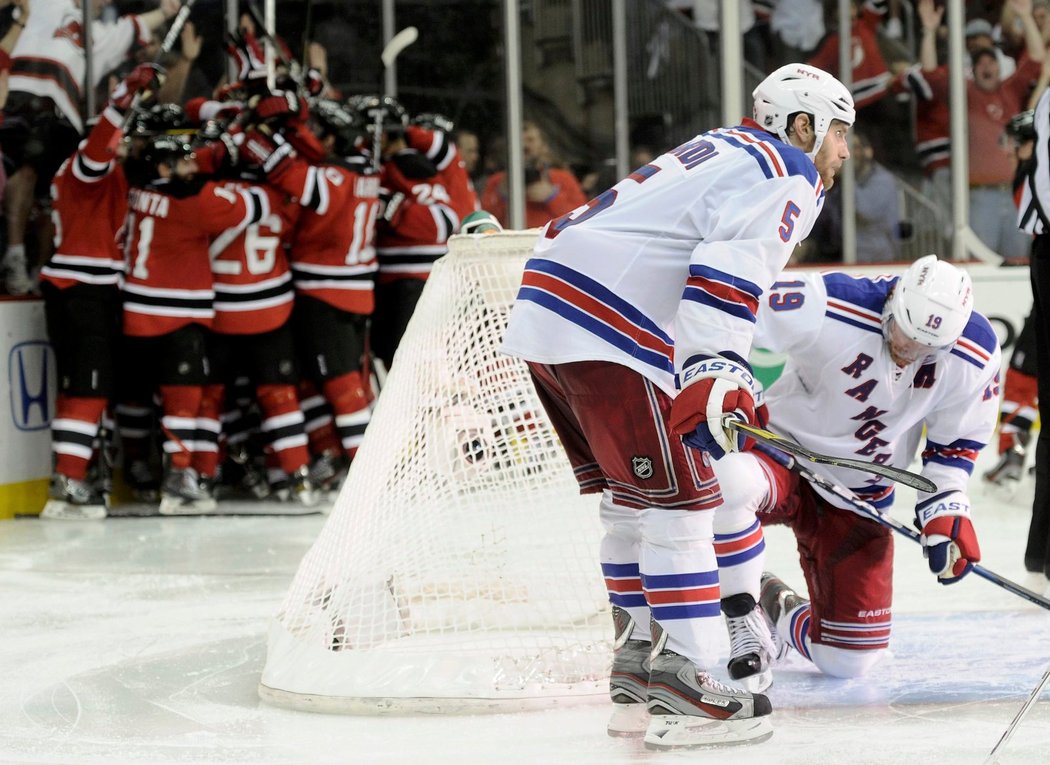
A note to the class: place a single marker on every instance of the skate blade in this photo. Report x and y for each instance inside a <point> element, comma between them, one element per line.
<point>628,721</point>
<point>667,732</point>
<point>179,507</point>
<point>60,510</point>
<point>756,683</point>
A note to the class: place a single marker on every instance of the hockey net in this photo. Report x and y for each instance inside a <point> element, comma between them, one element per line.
<point>458,570</point>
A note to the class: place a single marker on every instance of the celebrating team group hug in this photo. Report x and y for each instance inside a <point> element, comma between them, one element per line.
<point>232,270</point>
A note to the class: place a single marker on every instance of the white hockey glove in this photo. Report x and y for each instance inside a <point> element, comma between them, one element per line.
<point>949,542</point>
<point>714,387</point>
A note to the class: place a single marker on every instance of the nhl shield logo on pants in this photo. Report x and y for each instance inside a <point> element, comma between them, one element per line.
<point>642,466</point>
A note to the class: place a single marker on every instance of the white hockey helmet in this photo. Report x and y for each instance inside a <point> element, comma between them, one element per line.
<point>931,302</point>
<point>797,88</point>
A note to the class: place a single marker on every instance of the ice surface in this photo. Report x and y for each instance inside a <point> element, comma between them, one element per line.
<point>141,640</point>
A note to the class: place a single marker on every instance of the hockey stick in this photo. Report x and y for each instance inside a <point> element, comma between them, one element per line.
<point>890,522</point>
<point>166,45</point>
<point>263,34</point>
<point>905,477</point>
<point>389,55</point>
<point>398,43</point>
<point>1021,714</point>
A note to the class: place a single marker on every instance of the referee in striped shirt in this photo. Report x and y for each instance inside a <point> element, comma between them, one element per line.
<point>1034,217</point>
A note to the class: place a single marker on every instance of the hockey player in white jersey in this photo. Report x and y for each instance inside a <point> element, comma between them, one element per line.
<point>869,363</point>
<point>635,316</point>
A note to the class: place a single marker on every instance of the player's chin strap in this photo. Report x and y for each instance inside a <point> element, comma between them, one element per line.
<point>890,522</point>
<point>906,477</point>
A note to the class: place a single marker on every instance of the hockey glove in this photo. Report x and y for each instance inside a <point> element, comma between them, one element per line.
<point>949,542</point>
<point>272,154</point>
<point>143,81</point>
<point>715,387</point>
<point>392,207</point>
<point>413,165</point>
<point>280,104</point>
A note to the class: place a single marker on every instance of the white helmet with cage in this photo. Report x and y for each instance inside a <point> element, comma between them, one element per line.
<point>797,88</point>
<point>931,302</point>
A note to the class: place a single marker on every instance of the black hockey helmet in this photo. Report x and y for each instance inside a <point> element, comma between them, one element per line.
<point>330,118</point>
<point>167,149</point>
<point>159,118</point>
<point>434,121</point>
<point>379,110</point>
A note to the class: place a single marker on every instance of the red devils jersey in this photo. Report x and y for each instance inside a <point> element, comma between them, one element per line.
<point>169,281</point>
<point>89,200</point>
<point>452,173</point>
<point>252,279</point>
<point>932,116</point>
<point>871,75</point>
<point>417,235</point>
<point>333,255</point>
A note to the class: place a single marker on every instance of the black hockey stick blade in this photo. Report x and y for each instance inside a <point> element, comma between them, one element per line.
<point>892,523</point>
<point>905,477</point>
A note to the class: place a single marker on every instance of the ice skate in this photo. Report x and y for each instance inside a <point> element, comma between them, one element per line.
<point>1009,468</point>
<point>143,482</point>
<point>629,679</point>
<point>73,500</point>
<point>327,473</point>
<point>181,493</point>
<point>751,647</point>
<point>777,599</point>
<point>691,710</point>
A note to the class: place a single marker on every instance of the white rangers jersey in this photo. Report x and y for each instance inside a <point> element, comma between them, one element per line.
<point>841,394</point>
<point>672,261</point>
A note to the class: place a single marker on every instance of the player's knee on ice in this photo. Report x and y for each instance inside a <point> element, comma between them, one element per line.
<point>839,662</point>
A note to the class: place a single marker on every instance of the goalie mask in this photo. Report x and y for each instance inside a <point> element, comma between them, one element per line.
<point>795,88</point>
<point>928,309</point>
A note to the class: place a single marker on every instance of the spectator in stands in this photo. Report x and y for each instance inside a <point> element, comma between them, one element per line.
<point>991,102</point>
<point>797,27</point>
<point>470,152</point>
<point>928,85</point>
<point>42,119</point>
<point>871,75</point>
<point>877,216</point>
<point>19,15</point>
<point>754,24</point>
<point>550,189</point>
<point>980,35</point>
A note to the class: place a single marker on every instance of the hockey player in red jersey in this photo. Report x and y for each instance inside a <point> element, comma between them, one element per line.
<point>252,335</point>
<point>80,283</point>
<point>422,209</point>
<point>333,260</point>
<point>169,296</point>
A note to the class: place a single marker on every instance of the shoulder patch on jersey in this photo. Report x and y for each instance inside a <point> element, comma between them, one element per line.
<point>861,291</point>
<point>774,156</point>
<point>856,300</point>
<point>978,341</point>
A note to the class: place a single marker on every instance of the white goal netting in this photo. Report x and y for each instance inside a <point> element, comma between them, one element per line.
<point>459,567</point>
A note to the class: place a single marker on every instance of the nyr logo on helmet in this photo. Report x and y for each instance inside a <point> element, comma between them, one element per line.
<point>32,378</point>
